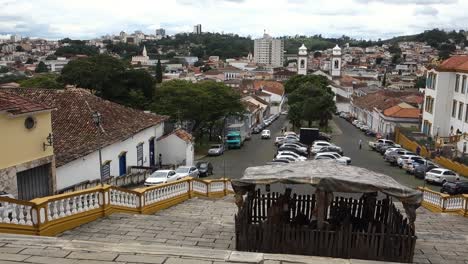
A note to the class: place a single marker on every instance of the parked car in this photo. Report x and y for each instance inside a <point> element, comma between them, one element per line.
<point>266,134</point>
<point>454,188</point>
<point>216,150</point>
<point>257,130</point>
<point>420,171</point>
<point>160,177</point>
<point>373,144</point>
<point>287,133</point>
<point>333,156</point>
<point>293,149</point>
<point>205,168</point>
<point>295,145</point>
<point>409,166</point>
<point>392,157</point>
<point>364,128</point>
<point>392,149</point>
<point>441,176</point>
<point>406,159</point>
<point>185,171</point>
<point>290,154</point>
<point>278,140</point>
<point>335,149</point>
<point>370,133</point>
<point>318,144</point>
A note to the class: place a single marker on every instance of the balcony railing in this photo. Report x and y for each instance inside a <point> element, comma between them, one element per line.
<point>54,214</point>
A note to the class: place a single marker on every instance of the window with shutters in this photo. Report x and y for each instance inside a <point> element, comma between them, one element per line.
<point>140,154</point>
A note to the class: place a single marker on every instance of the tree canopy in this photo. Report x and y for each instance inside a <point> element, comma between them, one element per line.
<point>111,78</point>
<point>41,67</point>
<point>47,80</point>
<point>76,49</point>
<point>310,99</point>
<point>199,104</point>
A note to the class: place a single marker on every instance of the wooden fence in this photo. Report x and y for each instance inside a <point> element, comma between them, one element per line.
<point>54,214</point>
<point>355,229</point>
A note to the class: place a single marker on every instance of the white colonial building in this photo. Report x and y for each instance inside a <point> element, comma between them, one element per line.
<point>446,99</point>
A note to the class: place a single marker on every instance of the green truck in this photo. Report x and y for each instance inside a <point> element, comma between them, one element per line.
<point>236,135</point>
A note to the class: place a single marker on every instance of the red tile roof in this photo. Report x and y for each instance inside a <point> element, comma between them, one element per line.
<point>383,99</point>
<point>16,105</point>
<point>75,134</point>
<point>180,133</point>
<point>398,111</point>
<point>269,86</point>
<point>454,63</point>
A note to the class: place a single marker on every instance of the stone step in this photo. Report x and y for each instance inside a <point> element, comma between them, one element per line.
<point>35,249</point>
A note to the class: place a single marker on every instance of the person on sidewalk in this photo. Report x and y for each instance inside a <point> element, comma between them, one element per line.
<point>418,150</point>
<point>360,143</point>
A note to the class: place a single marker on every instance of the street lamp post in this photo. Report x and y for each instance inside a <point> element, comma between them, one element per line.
<point>97,121</point>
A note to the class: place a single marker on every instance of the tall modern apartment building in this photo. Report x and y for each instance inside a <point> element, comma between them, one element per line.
<point>269,51</point>
<point>197,29</point>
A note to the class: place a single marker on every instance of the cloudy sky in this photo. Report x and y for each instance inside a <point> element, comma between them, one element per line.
<point>357,18</point>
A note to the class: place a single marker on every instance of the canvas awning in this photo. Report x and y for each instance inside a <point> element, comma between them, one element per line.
<point>330,176</point>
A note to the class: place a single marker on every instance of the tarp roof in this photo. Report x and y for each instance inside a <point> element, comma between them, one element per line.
<point>330,176</point>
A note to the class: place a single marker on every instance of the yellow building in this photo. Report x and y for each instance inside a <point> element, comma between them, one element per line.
<point>27,168</point>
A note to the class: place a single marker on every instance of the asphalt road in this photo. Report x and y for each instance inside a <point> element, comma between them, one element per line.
<point>257,152</point>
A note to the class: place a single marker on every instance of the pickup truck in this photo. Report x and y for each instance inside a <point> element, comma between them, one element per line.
<point>373,144</point>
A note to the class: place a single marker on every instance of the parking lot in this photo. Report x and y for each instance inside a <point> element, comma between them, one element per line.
<point>257,152</point>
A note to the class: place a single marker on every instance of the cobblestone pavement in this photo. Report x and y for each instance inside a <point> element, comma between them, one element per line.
<point>197,222</point>
<point>207,223</point>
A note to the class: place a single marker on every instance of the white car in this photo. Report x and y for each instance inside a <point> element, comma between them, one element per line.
<point>333,155</point>
<point>278,140</point>
<point>290,154</point>
<point>184,171</point>
<point>294,145</point>
<point>288,157</point>
<point>406,159</point>
<point>392,149</point>
<point>287,133</point>
<point>266,134</point>
<point>441,176</point>
<point>318,144</point>
<point>161,176</point>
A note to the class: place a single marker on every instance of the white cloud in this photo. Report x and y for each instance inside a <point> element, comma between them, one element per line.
<point>356,18</point>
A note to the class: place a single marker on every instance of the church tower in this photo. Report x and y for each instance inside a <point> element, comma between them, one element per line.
<point>302,60</point>
<point>336,62</point>
<point>145,54</point>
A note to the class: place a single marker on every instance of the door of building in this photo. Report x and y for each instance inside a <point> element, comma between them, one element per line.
<point>151,152</point>
<point>34,183</point>
<point>123,164</point>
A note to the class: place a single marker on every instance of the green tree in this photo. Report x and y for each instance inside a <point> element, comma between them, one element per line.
<point>159,72</point>
<point>76,49</point>
<point>310,99</point>
<point>47,80</point>
<point>200,104</point>
<point>29,61</point>
<point>41,67</point>
<point>51,57</point>
<point>19,48</point>
<point>4,69</point>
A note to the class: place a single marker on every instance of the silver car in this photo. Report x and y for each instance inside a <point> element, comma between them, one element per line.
<point>216,150</point>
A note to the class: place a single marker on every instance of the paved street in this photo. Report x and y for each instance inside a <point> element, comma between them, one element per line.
<point>257,152</point>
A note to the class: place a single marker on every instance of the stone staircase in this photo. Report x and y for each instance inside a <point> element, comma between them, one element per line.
<point>35,249</point>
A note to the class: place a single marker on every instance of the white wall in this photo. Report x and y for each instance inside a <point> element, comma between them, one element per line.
<point>175,150</point>
<point>87,167</point>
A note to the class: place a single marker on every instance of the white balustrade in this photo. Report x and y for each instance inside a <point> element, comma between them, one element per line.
<point>166,192</point>
<point>229,186</point>
<point>122,198</point>
<point>73,205</point>
<point>200,187</point>
<point>14,213</point>
<point>433,198</point>
<point>455,203</point>
<point>216,186</point>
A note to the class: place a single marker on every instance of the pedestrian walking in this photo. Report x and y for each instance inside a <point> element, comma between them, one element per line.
<point>360,143</point>
<point>160,160</point>
<point>418,150</point>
